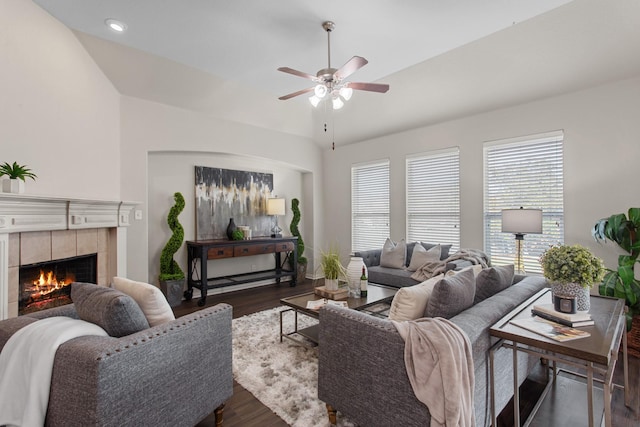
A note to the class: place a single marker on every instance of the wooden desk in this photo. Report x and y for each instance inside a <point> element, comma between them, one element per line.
<point>200,251</point>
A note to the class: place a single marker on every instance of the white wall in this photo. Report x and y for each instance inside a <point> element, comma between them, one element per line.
<point>59,114</point>
<point>149,129</point>
<point>602,150</point>
<point>174,171</point>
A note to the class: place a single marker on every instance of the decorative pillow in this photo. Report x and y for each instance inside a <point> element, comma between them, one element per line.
<point>492,280</point>
<point>452,295</point>
<point>444,249</point>
<point>476,268</point>
<point>115,312</point>
<point>393,254</point>
<point>410,302</point>
<point>151,300</point>
<point>421,256</point>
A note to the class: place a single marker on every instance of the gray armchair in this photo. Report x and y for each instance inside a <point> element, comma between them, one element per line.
<point>175,374</point>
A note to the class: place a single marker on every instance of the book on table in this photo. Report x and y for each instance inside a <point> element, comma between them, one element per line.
<point>549,329</point>
<point>574,320</point>
<point>318,304</point>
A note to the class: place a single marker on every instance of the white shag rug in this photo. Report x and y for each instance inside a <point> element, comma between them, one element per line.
<point>283,376</point>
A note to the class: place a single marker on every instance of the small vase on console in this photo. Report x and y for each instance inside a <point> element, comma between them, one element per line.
<point>231,228</point>
<point>354,272</point>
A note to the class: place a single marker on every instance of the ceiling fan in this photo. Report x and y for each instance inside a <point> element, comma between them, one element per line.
<point>330,81</point>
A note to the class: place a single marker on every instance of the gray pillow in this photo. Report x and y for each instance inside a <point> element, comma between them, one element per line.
<point>393,254</point>
<point>492,280</point>
<point>452,295</point>
<point>115,312</point>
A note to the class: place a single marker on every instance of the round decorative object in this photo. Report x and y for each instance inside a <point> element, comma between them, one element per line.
<point>354,271</point>
<point>581,294</point>
<point>231,228</point>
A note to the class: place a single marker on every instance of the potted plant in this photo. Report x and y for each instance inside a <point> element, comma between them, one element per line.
<point>171,275</point>
<point>572,271</point>
<point>302,260</point>
<point>17,175</point>
<point>621,283</point>
<point>332,268</point>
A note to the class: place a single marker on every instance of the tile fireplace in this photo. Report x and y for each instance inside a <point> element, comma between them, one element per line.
<point>38,231</point>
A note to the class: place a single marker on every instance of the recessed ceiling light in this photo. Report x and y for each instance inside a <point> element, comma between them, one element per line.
<point>115,25</point>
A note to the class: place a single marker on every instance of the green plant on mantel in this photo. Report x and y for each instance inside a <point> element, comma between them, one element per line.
<point>571,264</point>
<point>169,268</point>
<point>621,283</point>
<point>295,208</point>
<point>16,171</point>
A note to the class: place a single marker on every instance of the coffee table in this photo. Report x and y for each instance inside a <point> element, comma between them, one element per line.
<point>596,355</point>
<point>298,305</point>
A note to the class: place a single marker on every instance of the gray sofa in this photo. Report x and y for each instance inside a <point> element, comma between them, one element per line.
<point>399,277</point>
<point>174,374</point>
<point>366,380</point>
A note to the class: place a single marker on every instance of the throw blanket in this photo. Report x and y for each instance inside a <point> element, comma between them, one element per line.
<point>437,355</point>
<point>433,268</point>
<point>26,364</point>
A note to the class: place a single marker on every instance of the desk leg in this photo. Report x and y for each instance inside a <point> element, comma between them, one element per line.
<point>590,394</point>
<point>516,389</point>
<point>625,366</point>
<point>204,281</point>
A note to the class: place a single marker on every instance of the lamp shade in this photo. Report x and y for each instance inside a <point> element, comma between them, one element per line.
<point>522,221</point>
<point>275,206</point>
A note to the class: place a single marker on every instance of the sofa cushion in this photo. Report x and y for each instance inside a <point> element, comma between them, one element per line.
<point>151,300</point>
<point>420,256</point>
<point>115,312</point>
<point>393,254</point>
<point>451,295</point>
<point>410,302</point>
<point>492,280</point>
<point>444,249</point>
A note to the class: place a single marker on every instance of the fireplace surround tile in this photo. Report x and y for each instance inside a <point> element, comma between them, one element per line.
<point>87,241</point>
<point>14,250</point>
<point>63,244</point>
<point>14,273</point>
<point>35,247</point>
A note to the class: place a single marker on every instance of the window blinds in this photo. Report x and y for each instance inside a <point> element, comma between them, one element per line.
<point>433,197</point>
<point>525,172</point>
<point>369,205</point>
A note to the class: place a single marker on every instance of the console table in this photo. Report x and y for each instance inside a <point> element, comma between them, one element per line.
<point>200,251</point>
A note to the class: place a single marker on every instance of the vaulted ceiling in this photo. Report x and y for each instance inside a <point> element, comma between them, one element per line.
<point>443,60</point>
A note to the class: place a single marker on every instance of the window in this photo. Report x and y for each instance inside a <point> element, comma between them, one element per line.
<point>524,172</point>
<point>433,197</point>
<point>369,205</point>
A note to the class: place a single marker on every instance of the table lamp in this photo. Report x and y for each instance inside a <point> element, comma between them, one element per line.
<point>276,207</point>
<point>520,222</point>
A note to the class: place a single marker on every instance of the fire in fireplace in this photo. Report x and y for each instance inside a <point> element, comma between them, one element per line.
<point>46,284</point>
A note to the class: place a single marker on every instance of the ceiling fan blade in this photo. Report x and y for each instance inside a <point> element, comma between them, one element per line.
<point>352,65</point>
<point>298,73</point>
<point>300,92</point>
<point>371,87</point>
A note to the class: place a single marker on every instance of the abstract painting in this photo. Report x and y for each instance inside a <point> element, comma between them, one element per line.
<point>222,194</point>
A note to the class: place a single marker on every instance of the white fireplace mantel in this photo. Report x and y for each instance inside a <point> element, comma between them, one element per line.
<point>21,213</point>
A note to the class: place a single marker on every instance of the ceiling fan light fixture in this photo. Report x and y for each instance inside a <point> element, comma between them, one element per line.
<point>320,91</point>
<point>337,103</point>
<point>314,100</point>
<point>346,93</point>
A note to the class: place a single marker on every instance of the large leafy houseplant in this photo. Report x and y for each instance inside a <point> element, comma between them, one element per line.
<point>295,231</point>
<point>571,264</point>
<point>621,283</point>
<point>169,268</point>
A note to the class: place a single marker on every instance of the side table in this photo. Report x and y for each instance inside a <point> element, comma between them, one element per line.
<point>596,354</point>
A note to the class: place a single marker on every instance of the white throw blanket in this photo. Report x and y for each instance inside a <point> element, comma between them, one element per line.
<point>437,355</point>
<point>26,364</point>
<point>433,268</point>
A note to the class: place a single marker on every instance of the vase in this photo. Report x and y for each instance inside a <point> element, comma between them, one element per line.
<point>231,228</point>
<point>15,186</point>
<point>580,293</point>
<point>331,284</point>
<point>354,272</point>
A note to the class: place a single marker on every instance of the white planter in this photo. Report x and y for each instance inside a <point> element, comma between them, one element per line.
<point>15,186</point>
<point>331,284</point>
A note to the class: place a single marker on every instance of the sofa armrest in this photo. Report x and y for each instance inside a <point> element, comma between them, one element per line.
<point>172,374</point>
<point>361,370</point>
<point>370,257</point>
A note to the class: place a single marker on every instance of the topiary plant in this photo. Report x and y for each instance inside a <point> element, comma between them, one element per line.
<point>295,208</point>
<point>169,268</point>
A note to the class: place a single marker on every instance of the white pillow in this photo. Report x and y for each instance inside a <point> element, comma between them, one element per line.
<point>150,299</point>
<point>393,254</point>
<point>477,268</point>
<point>421,256</point>
<point>410,302</point>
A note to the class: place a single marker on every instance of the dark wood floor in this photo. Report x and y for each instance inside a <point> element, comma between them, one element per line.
<point>243,410</point>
